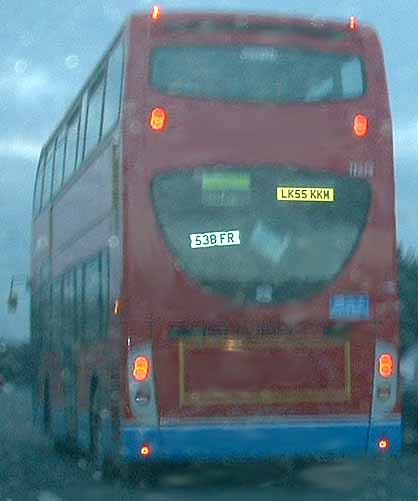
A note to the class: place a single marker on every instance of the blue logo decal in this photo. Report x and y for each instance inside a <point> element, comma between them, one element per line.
<point>350,307</point>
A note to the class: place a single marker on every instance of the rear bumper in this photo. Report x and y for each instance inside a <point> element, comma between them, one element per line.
<point>259,441</point>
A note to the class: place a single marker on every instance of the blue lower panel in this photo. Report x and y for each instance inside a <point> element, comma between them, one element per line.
<point>258,441</point>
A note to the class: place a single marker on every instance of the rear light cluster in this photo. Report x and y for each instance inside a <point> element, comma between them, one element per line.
<point>385,385</point>
<point>141,385</point>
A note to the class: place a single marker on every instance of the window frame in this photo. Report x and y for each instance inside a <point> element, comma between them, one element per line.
<point>119,45</point>
<point>39,184</point>
<point>97,81</point>
<point>75,116</point>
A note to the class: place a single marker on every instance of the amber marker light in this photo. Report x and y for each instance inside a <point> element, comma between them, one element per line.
<point>156,13</point>
<point>353,23</point>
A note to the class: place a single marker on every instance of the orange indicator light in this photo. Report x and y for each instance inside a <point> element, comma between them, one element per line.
<point>361,125</point>
<point>386,365</point>
<point>141,368</point>
<point>158,119</point>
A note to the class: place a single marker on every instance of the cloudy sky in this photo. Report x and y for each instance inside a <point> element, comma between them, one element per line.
<point>49,47</point>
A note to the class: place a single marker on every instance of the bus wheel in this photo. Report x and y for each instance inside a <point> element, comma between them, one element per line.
<point>47,410</point>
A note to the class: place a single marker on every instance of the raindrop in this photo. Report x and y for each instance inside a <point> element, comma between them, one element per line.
<point>21,66</point>
<point>82,464</point>
<point>97,476</point>
<point>113,242</point>
<point>72,61</point>
<point>27,38</point>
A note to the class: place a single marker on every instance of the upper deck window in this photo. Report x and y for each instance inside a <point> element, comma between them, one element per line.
<point>261,233</point>
<point>94,115</point>
<point>47,187</point>
<point>59,162</point>
<point>72,141</point>
<point>113,88</point>
<point>38,186</point>
<point>257,73</point>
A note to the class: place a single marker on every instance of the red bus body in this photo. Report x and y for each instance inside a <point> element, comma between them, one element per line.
<point>217,378</point>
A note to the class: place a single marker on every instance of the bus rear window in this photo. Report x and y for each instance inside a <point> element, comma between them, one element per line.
<point>256,73</point>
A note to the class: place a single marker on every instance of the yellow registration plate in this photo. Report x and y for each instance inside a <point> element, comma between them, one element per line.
<point>297,194</point>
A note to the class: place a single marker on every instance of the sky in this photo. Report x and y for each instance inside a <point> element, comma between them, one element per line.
<point>49,48</point>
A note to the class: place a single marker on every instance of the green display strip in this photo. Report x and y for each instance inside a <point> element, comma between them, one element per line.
<point>226,181</point>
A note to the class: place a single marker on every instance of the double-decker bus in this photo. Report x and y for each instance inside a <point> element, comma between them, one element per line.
<point>213,251</point>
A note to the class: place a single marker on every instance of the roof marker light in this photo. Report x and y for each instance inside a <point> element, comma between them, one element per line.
<point>353,23</point>
<point>156,13</point>
<point>158,119</point>
<point>361,125</point>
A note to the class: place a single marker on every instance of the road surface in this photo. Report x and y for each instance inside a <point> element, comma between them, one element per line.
<point>30,469</point>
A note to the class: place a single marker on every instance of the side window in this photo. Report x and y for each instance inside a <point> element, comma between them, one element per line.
<point>92,299</point>
<point>81,136</point>
<point>79,316</point>
<point>45,273</point>
<point>68,308</point>
<point>104,291</point>
<point>352,79</point>
<point>49,165</point>
<point>113,88</point>
<point>59,162</point>
<point>94,115</point>
<point>72,142</point>
<point>56,320</point>
<point>44,316</point>
<point>38,187</point>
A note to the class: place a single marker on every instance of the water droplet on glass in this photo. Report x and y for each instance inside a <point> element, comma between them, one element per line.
<point>21,66</point>
<point>72,61</point>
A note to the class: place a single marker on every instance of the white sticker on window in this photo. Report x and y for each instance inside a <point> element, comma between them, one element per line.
<point>214,239</point>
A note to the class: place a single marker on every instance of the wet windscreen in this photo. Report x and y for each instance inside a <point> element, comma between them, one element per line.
<point>262,234</point>
<point>256,73</point>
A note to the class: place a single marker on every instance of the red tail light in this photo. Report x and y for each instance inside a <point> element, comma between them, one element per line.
<point>158,119</point>
<point>361,125</point>
<point>384,444</point>
<point>386,365</point>
<point>156,13</point>
<point>141,369</point>
<point>145,450</point>
<point>353,23</point>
